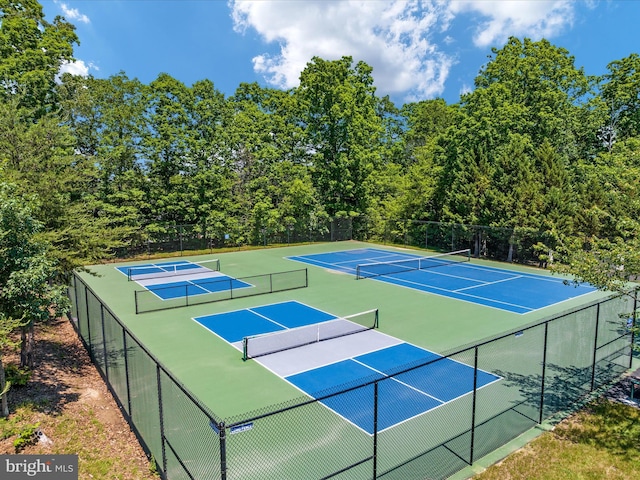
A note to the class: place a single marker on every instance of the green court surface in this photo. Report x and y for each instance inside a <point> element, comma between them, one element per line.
<point>213,369</point>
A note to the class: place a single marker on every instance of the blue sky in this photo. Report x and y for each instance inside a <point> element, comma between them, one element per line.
<point>418,49</point>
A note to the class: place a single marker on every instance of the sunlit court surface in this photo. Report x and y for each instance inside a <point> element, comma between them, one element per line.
<point>322,337</point>
<point>301,361</point>
<point>176,279</point>
<point>296,351</point>
<point>452,275</point>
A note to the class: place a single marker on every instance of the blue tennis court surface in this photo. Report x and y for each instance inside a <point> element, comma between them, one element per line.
<point>150,269</point>
<point>508,290</point>
<point>190,288</point>
<point>234,326</point>
<point>402,397</point>
<point>178,279</point>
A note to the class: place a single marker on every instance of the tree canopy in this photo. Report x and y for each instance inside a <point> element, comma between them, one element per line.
<point>538,149</point>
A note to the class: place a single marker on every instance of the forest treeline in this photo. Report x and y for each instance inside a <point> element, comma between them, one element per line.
<point>103,163</point>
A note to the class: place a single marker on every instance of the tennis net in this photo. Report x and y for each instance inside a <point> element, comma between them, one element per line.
<point>268,343</point>
<point>369,270</point>
<point>160,270</point>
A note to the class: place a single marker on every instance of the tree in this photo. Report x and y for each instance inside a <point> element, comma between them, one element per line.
<point>165,148</point>
<point>28,292</point>
<point>269,160</point>
<point>620,90</point>
<point>559,205</point>
<point>607,251</point>
<point>534,89</point>
<point>426,121</point>
<point>7,327</point>
<point>518,137</point>
<point>39,159</point>
<point>32,51</point>
<point>343,131</point>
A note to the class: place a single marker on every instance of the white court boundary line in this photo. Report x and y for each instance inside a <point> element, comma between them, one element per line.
<point>353,385</point>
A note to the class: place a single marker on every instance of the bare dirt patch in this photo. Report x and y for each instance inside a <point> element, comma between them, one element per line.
<point>67,400</point>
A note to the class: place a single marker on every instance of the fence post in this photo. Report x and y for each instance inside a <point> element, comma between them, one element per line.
<point>126,370</point>
<point>595,348</point>
<point>75,292</point>
<point>104,343</point>
<point>634,325</point>
<point>452,237</point>
<point>473,407</point>
<point>223,451</point>
<point>375,430</point>
<point>544,369</point>
<point>161,415</point>
<point>426,236</point>
<point>89,344</point>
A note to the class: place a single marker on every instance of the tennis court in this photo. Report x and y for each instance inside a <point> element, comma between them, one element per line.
<point>195,278</point>
<point>293,384</point>
<point>452,275</point>
<point>320,354</point>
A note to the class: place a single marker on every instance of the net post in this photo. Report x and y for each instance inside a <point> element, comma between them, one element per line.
<point>376,323</point>
<point>245,355</point>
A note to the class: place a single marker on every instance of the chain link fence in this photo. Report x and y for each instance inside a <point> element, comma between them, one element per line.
<point>155,239</point>
<point>220,289</point>
<point>544,369</point>
<point>522,245</point>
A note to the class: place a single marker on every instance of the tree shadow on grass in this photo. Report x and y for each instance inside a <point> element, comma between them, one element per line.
<point>56,379</point>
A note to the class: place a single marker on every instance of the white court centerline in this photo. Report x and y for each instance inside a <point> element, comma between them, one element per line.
<point>489,283</point>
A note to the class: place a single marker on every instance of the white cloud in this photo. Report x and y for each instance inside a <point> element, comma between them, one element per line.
<point>521,18</point>
<point>78,67</point>
<point>394,37</point>
<point>72,13</point>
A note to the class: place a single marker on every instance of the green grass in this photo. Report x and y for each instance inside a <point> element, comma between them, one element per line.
<point>600,441</point>
<point>14,424</point>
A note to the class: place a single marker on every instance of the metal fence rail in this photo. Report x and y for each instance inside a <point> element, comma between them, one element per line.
<point>544,369</point>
